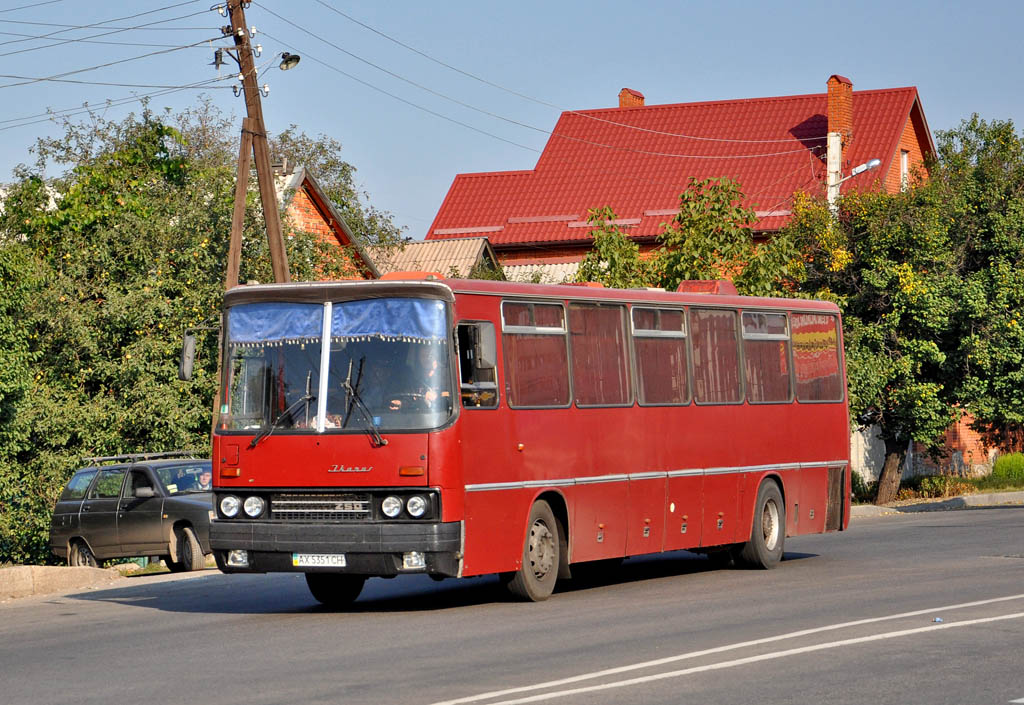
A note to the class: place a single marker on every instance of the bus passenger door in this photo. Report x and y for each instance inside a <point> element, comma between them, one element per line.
<point>721,508</point>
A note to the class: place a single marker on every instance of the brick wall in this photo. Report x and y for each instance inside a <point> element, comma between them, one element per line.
<point>303,214</point>
<point>910,143</point>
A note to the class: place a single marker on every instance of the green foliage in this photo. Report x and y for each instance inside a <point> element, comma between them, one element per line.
<point>614,260</point>
<point>709,238</point>
<point>100,272</point>
<point>1009,468</point>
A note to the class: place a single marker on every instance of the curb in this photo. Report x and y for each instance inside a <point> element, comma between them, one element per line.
<point>25,580</point>
<point>967,501</point>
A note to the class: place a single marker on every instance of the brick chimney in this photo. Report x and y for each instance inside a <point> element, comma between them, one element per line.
<point>840,133</point>
<point>628,98</point>
<point>840,107</point>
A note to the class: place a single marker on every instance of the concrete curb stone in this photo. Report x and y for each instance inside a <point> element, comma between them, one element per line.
<point>24,580</point>
<point>967,501</point>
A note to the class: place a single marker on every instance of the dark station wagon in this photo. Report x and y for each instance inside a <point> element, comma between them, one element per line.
<point>156,504</point>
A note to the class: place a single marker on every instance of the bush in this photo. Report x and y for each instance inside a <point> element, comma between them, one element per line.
<point>862,492</point>
<point>1009,468</point>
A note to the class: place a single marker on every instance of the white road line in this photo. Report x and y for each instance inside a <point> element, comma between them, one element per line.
<point>720,649</point>
<point>1018,700</point>
<point>755,659</point>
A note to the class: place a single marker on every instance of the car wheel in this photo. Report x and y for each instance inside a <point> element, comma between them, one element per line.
<point>190,552</point>
<point>335,589</point>
<point>81,555</point>
<point>535,579</point>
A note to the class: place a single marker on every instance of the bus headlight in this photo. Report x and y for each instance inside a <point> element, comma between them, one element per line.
<point>391,506</point>
<point>416,506</point>
<point>254,506</point>
<point>229,505</point>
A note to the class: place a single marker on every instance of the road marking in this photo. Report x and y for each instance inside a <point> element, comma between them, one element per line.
<point>756,659</point>
<point>1018,700</point>
<point>722,649</point>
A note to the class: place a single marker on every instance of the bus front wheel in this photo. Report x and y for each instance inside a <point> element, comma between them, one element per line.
<point>335,589</point>
<point>535,579</point>
<point>768,533</point>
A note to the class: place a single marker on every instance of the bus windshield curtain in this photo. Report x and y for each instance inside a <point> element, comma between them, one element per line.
<point>409,320</point>
<point>275,322</point>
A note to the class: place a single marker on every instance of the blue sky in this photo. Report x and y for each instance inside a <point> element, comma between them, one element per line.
<point>407,143</point>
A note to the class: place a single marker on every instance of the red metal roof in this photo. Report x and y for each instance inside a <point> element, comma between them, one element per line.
<point>638,160</point>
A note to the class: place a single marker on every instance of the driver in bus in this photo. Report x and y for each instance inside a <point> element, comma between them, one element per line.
<point>425,379</point>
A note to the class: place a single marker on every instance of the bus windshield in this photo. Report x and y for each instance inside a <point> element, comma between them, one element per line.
<point>386,363</point>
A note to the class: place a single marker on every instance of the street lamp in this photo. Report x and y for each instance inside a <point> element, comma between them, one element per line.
<point>289,61</point>
<point>833,186</point>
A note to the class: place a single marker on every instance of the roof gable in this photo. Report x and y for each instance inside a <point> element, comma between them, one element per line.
<point>638,160</point>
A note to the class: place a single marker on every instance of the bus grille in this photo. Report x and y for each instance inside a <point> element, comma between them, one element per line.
<point>320,507</point>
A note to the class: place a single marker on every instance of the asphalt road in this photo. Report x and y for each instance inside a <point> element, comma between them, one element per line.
<point>847,618</point>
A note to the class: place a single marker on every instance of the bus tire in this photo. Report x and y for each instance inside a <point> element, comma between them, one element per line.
<point>536,577</point>
<point>768,533</point>
<point>335,590</point>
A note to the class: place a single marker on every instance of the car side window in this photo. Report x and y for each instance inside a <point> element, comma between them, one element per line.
<point>137,479</point>
<point>78,485</point>
<point>108,484</point>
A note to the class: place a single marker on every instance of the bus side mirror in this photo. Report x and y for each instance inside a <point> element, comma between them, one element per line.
<point>188,357</point>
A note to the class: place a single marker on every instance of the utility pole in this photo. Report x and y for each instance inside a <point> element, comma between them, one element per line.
<point>253,143</point>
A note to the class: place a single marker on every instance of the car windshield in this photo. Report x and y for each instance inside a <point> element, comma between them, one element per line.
<point>386,362</point>
<point>180,479</point>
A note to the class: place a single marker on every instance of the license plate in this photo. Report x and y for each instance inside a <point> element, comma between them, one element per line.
<point>318,560</point>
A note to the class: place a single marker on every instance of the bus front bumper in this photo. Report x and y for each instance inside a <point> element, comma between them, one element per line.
<point>380,549</point>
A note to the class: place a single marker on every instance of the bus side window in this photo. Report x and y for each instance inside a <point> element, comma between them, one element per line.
<point>477,365</point>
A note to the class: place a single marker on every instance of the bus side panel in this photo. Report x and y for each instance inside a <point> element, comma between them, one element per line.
<point>495,530</point>
<point>684,514</point>
<point>814,490</point>
<point>721,509</point>
<point>598,528</point>
<point>645,532</point>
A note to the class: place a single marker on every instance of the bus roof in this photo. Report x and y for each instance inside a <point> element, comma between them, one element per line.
<point>446,289</point>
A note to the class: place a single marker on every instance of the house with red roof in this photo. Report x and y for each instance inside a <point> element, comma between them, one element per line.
<point>304,206</point>
<point>638,158</point>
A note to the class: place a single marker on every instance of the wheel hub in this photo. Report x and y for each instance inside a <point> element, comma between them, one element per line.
<point>542,549</point>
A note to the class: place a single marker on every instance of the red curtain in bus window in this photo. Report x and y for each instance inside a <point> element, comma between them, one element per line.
<point>536,369</point>
<point>660,348</point>
<point>716,369</point>
<point>767,363</point>
<point>766,356</point>
<point>600,366</point>
<point>816,357</point>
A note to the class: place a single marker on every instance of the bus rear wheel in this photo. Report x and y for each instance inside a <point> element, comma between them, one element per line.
<point>335,589</point>
<point>535,579</point>
<point>768,533</point>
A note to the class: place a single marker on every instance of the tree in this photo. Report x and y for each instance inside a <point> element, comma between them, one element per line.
<point>982,179</point>
<point>890,264</point>
<point>614,260</point>
<point>709,238</point>
<point>102,268</point>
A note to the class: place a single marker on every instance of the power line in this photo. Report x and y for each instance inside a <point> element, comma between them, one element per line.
<point>400,99</point>
<point>27,80</point>
<point>537,129</point>
<point>87,41</point>
<point>33,5</point>
<point>116,19</point>
<point>542,102</point>
<point>109,103</point>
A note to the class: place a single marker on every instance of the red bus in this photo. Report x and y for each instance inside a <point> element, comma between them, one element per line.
<point>458,427</point>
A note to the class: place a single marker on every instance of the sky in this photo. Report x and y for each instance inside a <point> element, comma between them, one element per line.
<point>418,92</point>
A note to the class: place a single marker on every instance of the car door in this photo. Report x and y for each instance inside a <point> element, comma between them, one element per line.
<point>98,519</point>
<point>140,519</point>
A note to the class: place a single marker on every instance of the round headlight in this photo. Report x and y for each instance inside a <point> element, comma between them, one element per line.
<point>416,506</point>
<point>391,506</point>
<point>229,505</point>
<point>254,506</point>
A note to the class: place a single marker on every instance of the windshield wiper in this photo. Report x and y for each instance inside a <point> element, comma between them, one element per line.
<point>355,399</point>
<point>307,397</point>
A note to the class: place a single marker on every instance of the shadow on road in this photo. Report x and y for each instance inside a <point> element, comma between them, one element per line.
<point>286,593</point>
